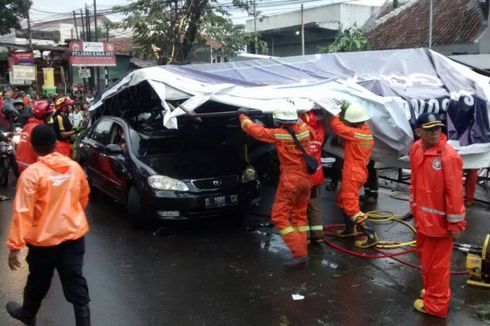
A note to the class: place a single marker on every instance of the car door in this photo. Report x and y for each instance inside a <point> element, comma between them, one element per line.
<point>93,145</point>
<point>113,165</point>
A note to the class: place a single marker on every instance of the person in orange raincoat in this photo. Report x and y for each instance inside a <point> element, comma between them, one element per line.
<point>314,218</point>
<point>436,201</point>
<point>293,191</point>
<point>25,154</point>
<point>48,218</point>
<point>358,145</point>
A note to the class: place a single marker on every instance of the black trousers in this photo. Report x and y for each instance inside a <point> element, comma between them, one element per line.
<point>67,259</point>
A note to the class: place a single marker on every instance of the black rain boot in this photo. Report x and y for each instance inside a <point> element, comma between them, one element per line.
<point>82,315</point>
<point>24,313</point>
<point>350,229</point>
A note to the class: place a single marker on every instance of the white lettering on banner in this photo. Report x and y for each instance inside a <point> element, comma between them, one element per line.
<point>93,46</point>
<point>410,80</point>
<point>438,106</point>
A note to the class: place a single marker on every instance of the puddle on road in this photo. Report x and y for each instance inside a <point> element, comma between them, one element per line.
<point>482,312</point>
<point>327,263</point>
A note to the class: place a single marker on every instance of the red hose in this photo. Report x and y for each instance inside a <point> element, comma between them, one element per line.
<point>369,256</point>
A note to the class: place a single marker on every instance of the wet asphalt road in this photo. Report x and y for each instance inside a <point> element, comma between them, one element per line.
<point>227,273</point>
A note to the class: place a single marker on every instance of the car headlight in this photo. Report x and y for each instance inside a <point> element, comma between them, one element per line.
<point>249,174</point>
<point>162,182</point>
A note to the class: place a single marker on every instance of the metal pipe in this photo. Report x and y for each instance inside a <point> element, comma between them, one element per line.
<point>302,32</point>
<point>431,8</point>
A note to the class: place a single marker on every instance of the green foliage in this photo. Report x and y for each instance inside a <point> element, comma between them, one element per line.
<point>233,38</point>
<point>167,29</point>
<point>101,34</point>
<point>348,40</point>
<point>11,12</point>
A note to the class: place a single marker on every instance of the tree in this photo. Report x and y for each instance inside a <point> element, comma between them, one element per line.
<point>348,40</point>
<point>168,29</point>
<point>233,38</point>
<point>11,12</point>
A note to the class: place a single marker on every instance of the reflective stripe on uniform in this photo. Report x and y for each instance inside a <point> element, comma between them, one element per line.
<point>302,135</point>
<point>287,230</point>
<point>305,228</point>
<point>455,218</point>
<point>316,227</point>
<point>433,211</point>
<point>61,125</point>
<point>363,136</point>
<point>283,136</point>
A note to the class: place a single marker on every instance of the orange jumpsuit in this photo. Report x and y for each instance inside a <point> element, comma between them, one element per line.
<point>436,201</point>
<point>470,185</point>
<point>49,204</point>
<point>314,217</point>
<point>293,191</point>
<point>358,146</point>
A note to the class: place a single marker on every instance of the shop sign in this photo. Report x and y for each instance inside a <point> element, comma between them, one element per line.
<point>92,54</point>
<point>84,73</point>
<point>24,72</point>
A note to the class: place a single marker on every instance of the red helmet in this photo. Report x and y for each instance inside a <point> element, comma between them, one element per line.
<point>309,118</point>
<point>63,102</point>
<point>42,109</point>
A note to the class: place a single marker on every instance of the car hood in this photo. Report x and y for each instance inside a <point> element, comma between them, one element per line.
<point>194,166</point>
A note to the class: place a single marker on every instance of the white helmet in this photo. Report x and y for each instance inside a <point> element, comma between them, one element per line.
<point>356,113</point>
<point>284,112</point>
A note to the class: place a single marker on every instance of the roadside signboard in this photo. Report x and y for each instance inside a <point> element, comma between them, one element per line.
<point>84,73</point>
<point>24,72</point>
<point>92,54</point>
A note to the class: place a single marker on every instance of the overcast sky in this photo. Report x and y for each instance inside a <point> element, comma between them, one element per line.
<point>43,10</point>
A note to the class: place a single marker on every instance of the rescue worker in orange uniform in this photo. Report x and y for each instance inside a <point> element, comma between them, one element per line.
<point>48,218</point>
<point>316,145</point>
<point>351,126</point>
<point>62,125</point>
<point>436,201</point>
<point>25,154</point>
<point>293,191</point>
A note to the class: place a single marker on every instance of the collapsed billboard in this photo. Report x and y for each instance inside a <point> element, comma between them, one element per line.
<point>396,86</point>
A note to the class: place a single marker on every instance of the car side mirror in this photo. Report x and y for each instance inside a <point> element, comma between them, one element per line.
<point>114,149</point>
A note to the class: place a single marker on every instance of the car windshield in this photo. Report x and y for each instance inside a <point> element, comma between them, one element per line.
<point>177,142</point>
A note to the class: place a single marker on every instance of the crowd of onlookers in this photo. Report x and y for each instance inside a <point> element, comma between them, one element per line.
<point>16,108</point>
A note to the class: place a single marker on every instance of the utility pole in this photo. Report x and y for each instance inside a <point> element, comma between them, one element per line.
<point>83,36</point>
<point>87,24</point>
<point>302,32</point>
<point>430,23</point>
<point>29,34</point>
<point>97,70</point>
<point>75,23</point>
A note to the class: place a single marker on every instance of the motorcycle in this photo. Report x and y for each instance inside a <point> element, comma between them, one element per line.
<point>6,153</point>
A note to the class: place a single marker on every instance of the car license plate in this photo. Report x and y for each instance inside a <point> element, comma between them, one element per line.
<point>221,201</point>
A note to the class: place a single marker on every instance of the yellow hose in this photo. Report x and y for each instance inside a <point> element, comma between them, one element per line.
<point>380,216</point>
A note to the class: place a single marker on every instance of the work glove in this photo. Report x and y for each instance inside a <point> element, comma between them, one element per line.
<point>251,113</point>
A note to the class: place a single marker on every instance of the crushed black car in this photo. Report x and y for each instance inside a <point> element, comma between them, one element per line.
<point>197,171</point>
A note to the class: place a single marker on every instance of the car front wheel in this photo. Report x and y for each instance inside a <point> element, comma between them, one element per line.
<point>135,210</point>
